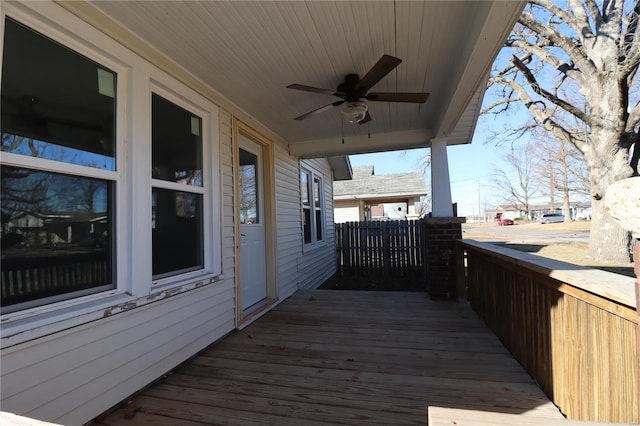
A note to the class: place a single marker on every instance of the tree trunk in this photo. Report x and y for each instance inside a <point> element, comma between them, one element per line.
<point>608,242</point>
<point>565,186</point>
<point>607,163</point>
<point>567,209</point>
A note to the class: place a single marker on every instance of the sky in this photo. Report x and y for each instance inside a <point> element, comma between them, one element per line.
<point>470,168</point>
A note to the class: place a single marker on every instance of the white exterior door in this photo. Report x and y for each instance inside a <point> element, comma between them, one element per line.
<point>253,278</point>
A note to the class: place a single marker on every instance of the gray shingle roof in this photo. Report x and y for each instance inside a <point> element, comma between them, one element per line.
<point>365,184</point>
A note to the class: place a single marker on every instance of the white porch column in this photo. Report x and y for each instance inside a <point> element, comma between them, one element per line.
<point>440,184</point>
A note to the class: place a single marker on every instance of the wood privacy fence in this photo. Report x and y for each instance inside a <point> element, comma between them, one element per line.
<point>386,247</point>
<point>572,328</point>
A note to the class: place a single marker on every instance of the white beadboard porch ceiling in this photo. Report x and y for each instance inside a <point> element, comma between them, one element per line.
<point>249,51</point>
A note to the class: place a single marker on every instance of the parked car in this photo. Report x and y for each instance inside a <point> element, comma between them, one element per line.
<point>551,218</point>
<point>505,222</point>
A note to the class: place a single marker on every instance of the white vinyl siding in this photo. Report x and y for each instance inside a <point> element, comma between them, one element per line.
<point>299,267</point>
<point>73,375</point>
<point>318,264</point>
<point>69,365</point>
<point>346,211</point>
<point>289,221</point>
<point>78,358</point>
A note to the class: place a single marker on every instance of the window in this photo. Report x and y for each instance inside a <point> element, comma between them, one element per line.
<point>177,194</point>
<point>58,171</point>
<point>100,203</point>
<point>248,182</point>
<point>312,206</point>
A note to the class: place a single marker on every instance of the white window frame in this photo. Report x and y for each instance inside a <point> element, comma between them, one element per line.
<point>89,51</point>
<point>136,79</point>
<point>203,110</point>
<point>313,176</point>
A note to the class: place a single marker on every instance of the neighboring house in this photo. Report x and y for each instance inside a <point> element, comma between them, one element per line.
<point>577,209</point>
<point>173,118</point>
<point>378,197</point>
<point>506,211</point>
<point>38,228</point>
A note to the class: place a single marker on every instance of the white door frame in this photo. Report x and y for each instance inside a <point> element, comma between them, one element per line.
<point>268,187</point>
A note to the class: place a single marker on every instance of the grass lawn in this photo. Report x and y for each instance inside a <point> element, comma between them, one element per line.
<point>576,253</point>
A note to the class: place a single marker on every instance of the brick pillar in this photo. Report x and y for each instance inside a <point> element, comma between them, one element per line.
<point>440,257</point>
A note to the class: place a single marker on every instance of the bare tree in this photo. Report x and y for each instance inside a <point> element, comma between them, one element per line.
<point>424,207</point>
<point>519,181</point>
<point>422,165</point>
<point>248,195</point>
<point>561,169</point>
<point>590,49</point>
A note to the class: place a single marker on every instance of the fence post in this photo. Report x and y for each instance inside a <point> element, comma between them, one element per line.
<point>386,248</point>
<point>424,250</point>
<point>346,248</point>
<point>461,276</point>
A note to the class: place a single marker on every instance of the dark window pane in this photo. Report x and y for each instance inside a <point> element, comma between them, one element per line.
<point>318,225</point>
<point>177,143</point>
<point>56,104</point>
<point>316,192</point>
<point>177,232</point>
<point>248,174</point>
<point>56,236</point>
<point>307,225</point>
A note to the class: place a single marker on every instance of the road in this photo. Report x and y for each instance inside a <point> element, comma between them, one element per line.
<point>527,233</point>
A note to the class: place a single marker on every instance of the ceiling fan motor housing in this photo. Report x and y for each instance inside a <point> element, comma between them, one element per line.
<point>348,86</point>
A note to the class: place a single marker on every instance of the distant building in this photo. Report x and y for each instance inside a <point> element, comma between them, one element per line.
<point>577,210</point>
<point>506,211</point>
<point>397,196</point>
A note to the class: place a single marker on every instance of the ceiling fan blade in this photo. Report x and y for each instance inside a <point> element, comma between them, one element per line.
<point>417,98</point>
<point>316,90</point>
<point>366,119</point>
<point>384,66</point>
<point>319,110</point>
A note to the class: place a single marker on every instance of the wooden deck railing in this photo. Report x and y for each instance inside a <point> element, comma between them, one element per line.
<point>574,329</point>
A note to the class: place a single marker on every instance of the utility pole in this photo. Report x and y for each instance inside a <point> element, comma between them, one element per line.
<point>479,210</point>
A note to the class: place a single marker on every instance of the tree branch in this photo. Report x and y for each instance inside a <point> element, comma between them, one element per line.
<point>531,79</point>
<point>552,60</point>
<point>630,41</point>
<point>593,9</point>
<point>502,102</point>
<point>634,119</point>
<point>557,39</point>
<point>542,117</point>
<point>578,20</point>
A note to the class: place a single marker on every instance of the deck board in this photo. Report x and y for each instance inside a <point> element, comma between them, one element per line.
<point>345,357</point>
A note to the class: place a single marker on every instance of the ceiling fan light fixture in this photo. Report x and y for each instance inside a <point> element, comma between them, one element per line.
<point>354,112</point>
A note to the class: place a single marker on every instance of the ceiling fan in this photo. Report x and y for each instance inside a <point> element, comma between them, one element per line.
<point>353,89</point>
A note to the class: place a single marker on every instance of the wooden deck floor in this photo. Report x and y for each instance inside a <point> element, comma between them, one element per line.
<point>343,357</point>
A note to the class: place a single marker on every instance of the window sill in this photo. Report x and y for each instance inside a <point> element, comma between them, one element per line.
<point>307,248</point>
<point>20,327</point>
